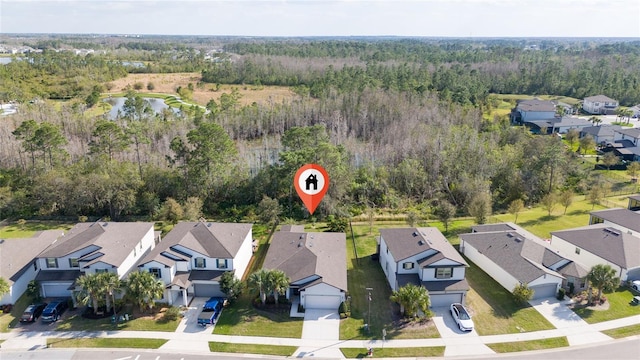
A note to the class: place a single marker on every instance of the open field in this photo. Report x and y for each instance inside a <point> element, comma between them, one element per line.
<point>168,83</point>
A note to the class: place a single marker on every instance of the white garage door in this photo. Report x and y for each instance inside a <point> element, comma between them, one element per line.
<point>56,290</point>
<point>445,299</point>
<point>322,302</point>
<point>207,290</point>
<point>544,291</point>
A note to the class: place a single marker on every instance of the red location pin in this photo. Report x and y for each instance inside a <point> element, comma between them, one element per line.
<point>311,182</point>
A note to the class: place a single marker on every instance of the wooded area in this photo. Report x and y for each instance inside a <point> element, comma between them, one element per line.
<point>398,124</point>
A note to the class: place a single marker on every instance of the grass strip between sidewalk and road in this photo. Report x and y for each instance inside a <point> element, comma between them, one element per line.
<point>278,350</point>
<point>540,344</point>
<point>623,332</point>
<point>133,343</point>
<point>359,353</point>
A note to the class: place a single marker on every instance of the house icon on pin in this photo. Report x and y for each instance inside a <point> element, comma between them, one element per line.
<point>311,180</point>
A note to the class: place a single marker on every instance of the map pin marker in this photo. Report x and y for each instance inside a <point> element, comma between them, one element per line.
<point>311,182</point>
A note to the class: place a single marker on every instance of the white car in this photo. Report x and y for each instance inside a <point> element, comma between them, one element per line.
<point>635,285</point>
<point>461,317</point>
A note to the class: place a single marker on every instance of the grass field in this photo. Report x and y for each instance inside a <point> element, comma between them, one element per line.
<point>129,343</point>
<point>275,350</point>
<point>529,345</point>
<point>29,228</point>
<point>409,352</point>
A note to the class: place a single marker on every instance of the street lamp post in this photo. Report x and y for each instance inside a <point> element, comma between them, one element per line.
<point>369,290</point>
<point>115,316</point>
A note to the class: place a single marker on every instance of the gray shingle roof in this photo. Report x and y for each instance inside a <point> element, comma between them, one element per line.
<point>521,257</point>
<point>406,242</point>
<point>212,239</point>
<point>602,130</point>
<point>610,244</point>
<point>492,227</point>
<point>633,132</point>
<point>16,255</point>
<point>599,98</point>
<point>536,105</point>
<point>115,240</point>
<point>623,217</point>
<point>433,286</point>
<point>302,255</point>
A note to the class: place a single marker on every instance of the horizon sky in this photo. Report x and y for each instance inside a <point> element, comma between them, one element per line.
<point>430,18</point>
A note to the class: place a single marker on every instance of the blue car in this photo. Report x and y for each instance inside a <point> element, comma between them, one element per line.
<point>54,310</point>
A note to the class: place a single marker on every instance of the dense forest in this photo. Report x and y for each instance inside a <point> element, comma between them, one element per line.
<point>398,124</point>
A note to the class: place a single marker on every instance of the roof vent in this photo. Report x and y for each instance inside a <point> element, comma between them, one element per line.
<point>300,244</point>
<point>208,224</point>
<point>415,233</point>
<point>420,242</point>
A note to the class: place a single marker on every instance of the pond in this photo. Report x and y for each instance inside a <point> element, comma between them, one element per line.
<point>117,104</point>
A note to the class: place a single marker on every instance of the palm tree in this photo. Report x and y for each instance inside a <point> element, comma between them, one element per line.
<point>91,288</point>
<point>110,284</point>
<point>143,288</point>
<point>4,286</point>
<point>259,280</point>
<point>603,277</point>
<point>278,283</point>
<point>411,299</point>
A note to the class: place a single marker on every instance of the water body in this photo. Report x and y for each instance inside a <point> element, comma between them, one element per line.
<point>117,103</point>
<point>135,64</point>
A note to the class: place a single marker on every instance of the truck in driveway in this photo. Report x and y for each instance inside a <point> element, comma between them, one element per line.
<point>210,311</point>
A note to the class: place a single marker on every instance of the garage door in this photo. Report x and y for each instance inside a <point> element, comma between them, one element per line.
<point>321,302</point>
<point>544,291</point>
<point>207,290</point>
<point>56,290</point>
<point>438,300</point>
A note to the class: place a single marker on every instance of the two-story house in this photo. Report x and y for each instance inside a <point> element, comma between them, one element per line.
<point>423,256</point>
<point>534,109</point>
<point>92,248</point>
<point>599,105</point>
<point>192,257</point>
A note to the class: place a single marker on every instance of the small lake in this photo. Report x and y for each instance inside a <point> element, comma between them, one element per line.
<point>135,64</point>
<point>117,103</point>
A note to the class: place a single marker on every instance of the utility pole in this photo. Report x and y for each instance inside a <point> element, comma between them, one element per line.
<point>369,290</point>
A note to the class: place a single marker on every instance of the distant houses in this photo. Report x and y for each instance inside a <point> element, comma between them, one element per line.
<point>599,105</point>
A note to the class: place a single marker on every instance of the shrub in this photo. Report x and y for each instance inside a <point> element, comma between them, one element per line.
<point>171,314</point>
<point>138,85</point>
<point>150,86</point>
<point>522,293</point>
<point>561,294</point>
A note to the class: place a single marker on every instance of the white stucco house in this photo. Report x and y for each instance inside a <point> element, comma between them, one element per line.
<point>601,244</point>
<point>192,257</point>
<point>625,220</point>
<point>316,264</point>
<point>533,109</point>
<point>92,248</point>
<point>423,256</point>
<point>630,134</point>
<point>599,105</point>
<point>17,263</point>
<point>513,256</point>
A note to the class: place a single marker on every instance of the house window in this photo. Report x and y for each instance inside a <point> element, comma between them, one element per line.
<point>222,263</point>
<point>35,265</point>
<point>444,273</point>
<point>578,250</point>
<point>73,262</point>
<point>157,272</point>
<point>407,265</point>
<point>98,271</point>
<point>134,252</point>
<point>200,262</point>
<point>52,263</point>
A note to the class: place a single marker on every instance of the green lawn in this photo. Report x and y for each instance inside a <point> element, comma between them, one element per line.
<point>75,322</point>
<point>529,345</point>
<point>494,310</point>
<point>619,307</point>
<point>275,350</point>
<point>132,343</point>
<point>28,229</point>
<point>408,352</point>
<point>622,332</point>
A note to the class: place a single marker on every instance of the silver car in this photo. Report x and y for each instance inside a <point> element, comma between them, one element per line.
<point>461,317</point>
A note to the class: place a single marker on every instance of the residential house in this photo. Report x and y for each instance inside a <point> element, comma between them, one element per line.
<point>602,244</point>
<point>625,220</point>
<point>316,264</point>
<point>92,248</point>
<point>423,256</point>
<point>604,134</point>
<point>17,263</point>
<point>599,104</point>
<point>192,257</point>
<point>630,134</point>
<point>557,125</point>
<point>634,203</point>
<point>513,256</point>
<point>535,109</point>
<point>636,111</point>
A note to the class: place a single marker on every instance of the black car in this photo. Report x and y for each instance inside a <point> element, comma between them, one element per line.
<point>32,312</point>
<point>54,310</point>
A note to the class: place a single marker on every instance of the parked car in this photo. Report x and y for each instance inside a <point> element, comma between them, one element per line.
<point>32,312</point>
<point>54,310</point>
<point>635,286</point>
<point>461,317</point>
<point>210,311</point>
